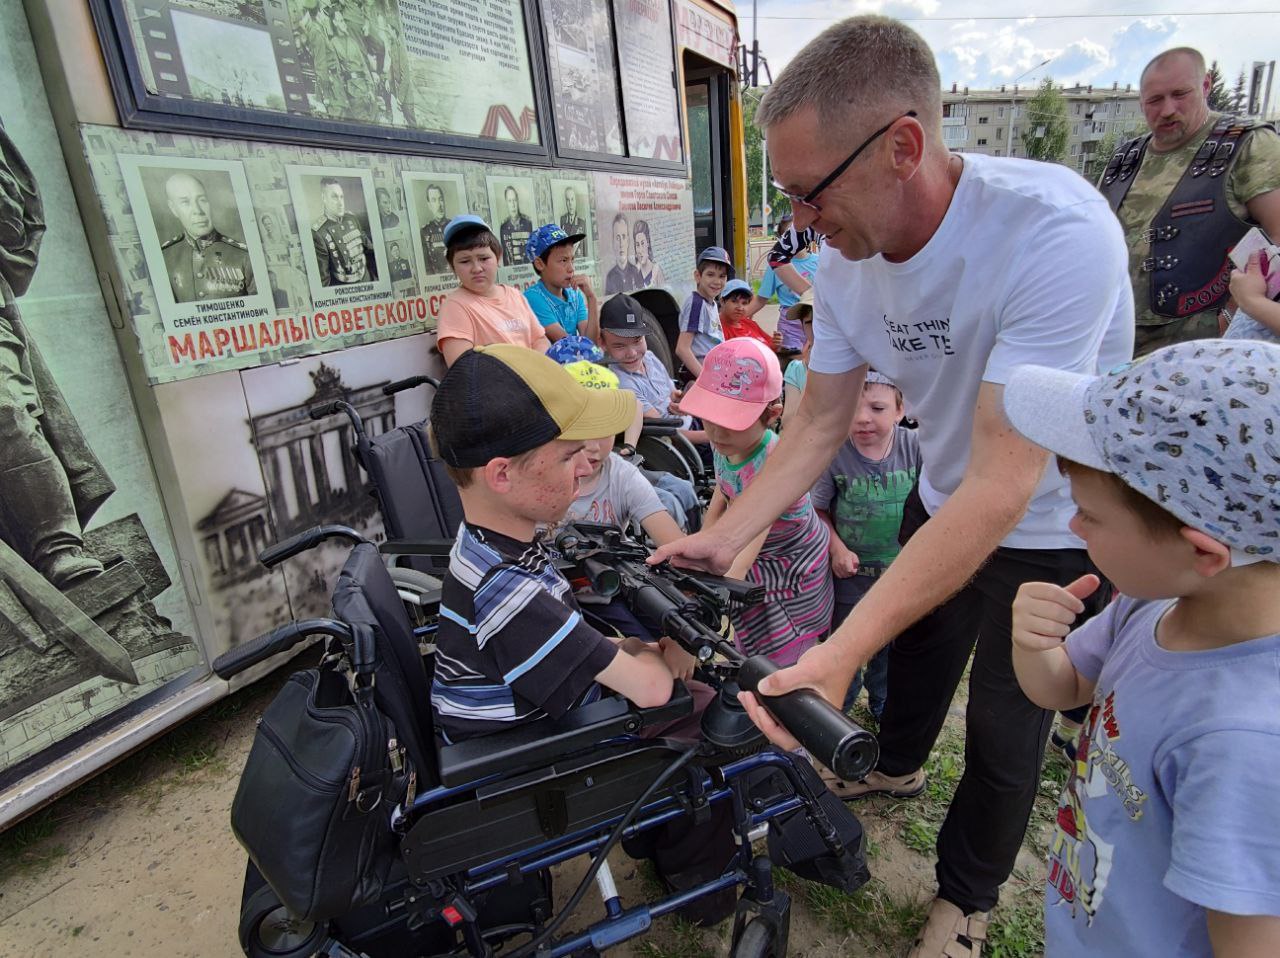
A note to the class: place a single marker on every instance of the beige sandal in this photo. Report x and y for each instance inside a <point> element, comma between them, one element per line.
<point>875,783</point>
<point>950,933</point>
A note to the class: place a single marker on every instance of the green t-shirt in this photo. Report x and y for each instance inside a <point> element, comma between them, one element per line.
<point>1256,171</point>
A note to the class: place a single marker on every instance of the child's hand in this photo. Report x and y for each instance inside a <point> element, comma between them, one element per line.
<point>844,562</point>
<point>1043,612</point>
<point>777,340</point>
<point>1249,285</point>
<point>582,282</point>
<point>674,405</point>
<point>680,662</point>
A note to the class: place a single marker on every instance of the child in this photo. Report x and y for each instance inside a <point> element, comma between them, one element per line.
<point>1259,315</point>
<point>563,301</point>
<point>481,311</point>
<point>860,498</point>
<point>805,263</point>
<point>511,427</point>
<point>736,396</point>
<point>622,335</point>
<point>734,318</point>
<point>1167,842</point>
<point>699,316</point>
<point>615,493</point>
<point>797,374</point>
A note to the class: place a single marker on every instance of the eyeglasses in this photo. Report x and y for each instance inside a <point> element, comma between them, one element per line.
<point>808,199</point>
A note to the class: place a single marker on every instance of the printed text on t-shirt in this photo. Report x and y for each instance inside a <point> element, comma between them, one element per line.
<point>930,336</point>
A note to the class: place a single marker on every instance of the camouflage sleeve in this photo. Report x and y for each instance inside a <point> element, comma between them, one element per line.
<point>1257,171</point>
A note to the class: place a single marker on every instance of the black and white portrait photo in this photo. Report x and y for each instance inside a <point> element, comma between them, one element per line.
<point>198,234</point>
<point>433,200</point>
<point>341,231</point>
<point>512,210</point>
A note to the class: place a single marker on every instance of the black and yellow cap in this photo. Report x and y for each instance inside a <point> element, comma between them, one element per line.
<point>504,400</point>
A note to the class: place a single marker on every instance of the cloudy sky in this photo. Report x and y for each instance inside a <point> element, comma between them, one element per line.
<point>975,47</point>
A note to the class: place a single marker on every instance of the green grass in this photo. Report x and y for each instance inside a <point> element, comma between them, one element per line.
<point>872,914</point>
<point>1017,928</point>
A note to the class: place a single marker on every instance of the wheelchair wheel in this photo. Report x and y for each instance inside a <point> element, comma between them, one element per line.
<point>758,940</point>
<point>267,930</point>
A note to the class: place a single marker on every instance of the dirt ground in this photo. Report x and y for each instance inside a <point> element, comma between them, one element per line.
<point>141,862</point>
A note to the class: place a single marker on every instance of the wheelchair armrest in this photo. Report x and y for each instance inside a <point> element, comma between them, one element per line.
<point>544,741</point>
<point>430,548</point>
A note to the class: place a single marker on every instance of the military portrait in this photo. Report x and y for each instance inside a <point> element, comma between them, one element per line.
<point>346,252</point>
<point>340,233</point>
<point>571,211</point>
<point>512,211</point>
<point>201,240</point>
<point>433,200</point>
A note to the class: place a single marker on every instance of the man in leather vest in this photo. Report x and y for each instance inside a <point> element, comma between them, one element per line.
<point>1185,193</point>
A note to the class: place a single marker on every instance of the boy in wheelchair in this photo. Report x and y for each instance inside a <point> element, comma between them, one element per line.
<point>512,646</point>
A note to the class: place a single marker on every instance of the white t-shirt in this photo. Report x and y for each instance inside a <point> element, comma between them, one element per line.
<point>1029,265</point>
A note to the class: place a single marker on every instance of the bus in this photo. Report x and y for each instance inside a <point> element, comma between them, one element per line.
<point>216,213</point>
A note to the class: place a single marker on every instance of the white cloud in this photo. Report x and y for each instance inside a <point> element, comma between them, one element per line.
<point>984,52</point>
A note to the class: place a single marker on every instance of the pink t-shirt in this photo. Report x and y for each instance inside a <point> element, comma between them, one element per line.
<point>504,317</point>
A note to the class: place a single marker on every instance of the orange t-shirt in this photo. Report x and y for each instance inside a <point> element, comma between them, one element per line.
<point>482,320</point>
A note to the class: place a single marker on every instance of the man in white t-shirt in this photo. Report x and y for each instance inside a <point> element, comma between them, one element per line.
<point>943,272</point>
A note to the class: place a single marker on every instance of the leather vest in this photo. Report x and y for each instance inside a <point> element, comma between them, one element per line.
<point>1194,230</point>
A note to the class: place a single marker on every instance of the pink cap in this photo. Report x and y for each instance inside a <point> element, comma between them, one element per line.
<point>739,378</point>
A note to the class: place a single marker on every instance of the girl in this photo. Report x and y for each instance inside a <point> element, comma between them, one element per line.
<point>736,396</point>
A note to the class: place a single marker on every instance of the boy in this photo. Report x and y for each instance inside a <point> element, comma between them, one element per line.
<point>564,302</point>
<point>511,426</point>
<point>736,321</point>
<point>699,316</point>
<point>1167,842</point>
<point>860,497</point>
<point>622,336</point>
<point>481,311</point>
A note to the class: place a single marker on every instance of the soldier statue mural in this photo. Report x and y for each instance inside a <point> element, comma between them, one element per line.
<point>344,248</point>
<point>73,604</point>
<point>202,262</point>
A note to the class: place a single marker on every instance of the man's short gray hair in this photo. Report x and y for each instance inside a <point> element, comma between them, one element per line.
<point>864,67</point>
<point>1196,57</point>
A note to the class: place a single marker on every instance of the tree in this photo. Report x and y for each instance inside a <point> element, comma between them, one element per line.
<point>1044,137</point>
<point>755,145</point>
<point>1219,99</point>
<point>1240,94</point>
<point>1102,154</point>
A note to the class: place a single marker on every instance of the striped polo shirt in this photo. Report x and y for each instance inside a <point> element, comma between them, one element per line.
<point>512,645</point>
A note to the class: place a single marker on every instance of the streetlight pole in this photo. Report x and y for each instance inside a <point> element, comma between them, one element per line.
<point>1013,102</point>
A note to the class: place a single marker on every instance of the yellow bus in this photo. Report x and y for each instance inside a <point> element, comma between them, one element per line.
<point>171,300</point>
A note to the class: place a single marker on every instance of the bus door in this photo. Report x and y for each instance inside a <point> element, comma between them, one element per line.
<point>707,102</point>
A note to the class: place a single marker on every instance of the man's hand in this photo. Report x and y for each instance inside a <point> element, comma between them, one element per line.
<point>707,550</point>
<point>673,406</point>
<point>844,561</point>
<point>680,662</point>
<point>825,668</point>
<point>1043,613</point>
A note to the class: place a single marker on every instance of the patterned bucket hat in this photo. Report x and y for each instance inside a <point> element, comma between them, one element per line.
<point>1194,427</point>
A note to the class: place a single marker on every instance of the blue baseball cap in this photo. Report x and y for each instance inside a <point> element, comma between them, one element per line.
<point>465,221</point>
<point>715,254</point>
<point>545,237</point>
<point>736,286</point>
<point>573,349</point>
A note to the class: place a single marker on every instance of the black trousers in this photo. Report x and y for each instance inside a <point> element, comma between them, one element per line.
<point>1004,732</point>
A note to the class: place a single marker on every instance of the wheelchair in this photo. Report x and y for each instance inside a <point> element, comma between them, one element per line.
<point>472,839</point>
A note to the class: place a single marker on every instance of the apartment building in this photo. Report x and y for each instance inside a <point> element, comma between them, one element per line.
<point>989,121</point>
